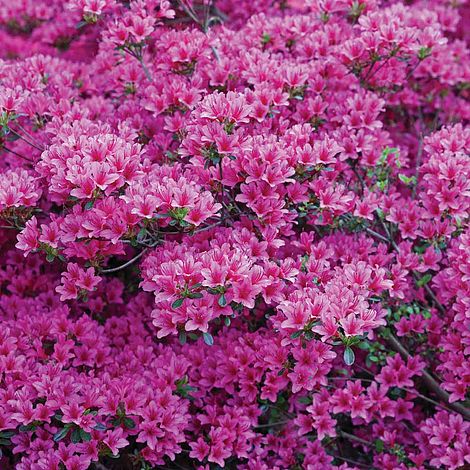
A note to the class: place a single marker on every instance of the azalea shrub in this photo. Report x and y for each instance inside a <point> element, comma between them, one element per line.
<point>234,234</point>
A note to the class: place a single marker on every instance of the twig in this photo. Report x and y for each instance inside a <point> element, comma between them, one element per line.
<point>278,423</point>
<point>28,134</point>
<point>431,294</point>
<point>207,227</point>
<point>146,70</point>
<point>418,164</point>
<point>390,240</point>
<point>413,392</point>
<point>345,459</point>
<point>352,437</point>
<point>376,235</point>
<point>99,466</point>
<point>26,140</point>
<point>125,265</point>
<point>140,59</point>
<point>17,154</point>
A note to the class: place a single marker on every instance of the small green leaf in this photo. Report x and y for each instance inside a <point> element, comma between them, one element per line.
<point>182,337</point>
<point>142,233</point>
<point>177,303</point>
<point>27,428</point>
<point>12,137</point>
<point>100,427</point>
<point>305,400</point>
<point>59,435</point>
<point>407,179</point>
<point>296,335</point>
<point>309,335</point>
<point>227,321</point>
<point>424,280</point>
<point>379,445</point>
<point>89,205</point>
<point>75,437</point>
<point>50,258</point>
<point>85,436</point>
<point>208,339</point>
<point>349,356</point>
<point>129,423</point>
<point>5,442</point>
<point>424,52</point>
<point>195,295</point>
<point>222,300</point>
<point>265,39</point>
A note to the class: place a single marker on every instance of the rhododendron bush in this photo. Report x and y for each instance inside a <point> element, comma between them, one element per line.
<point>234,234</point>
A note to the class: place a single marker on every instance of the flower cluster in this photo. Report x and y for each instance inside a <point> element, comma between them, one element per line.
<point>234,234</point>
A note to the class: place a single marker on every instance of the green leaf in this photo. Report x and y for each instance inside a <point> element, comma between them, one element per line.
<point>424,280</point>
<point>208,339</point>
<point>195,295</point>
<point>5,442</point>
<point>227,321</point>
<point>305,400</point>
<point>75,437</point>
<point>142,233</point>
<point>129,423</point>
<point>265,39</point>
<point>27,428</point>
<point>379,445</point>
<point>309,335</point>
<point>7,434</point>
<point>349,356</point>
<point>296,335</point>
<point>100,427</point>
<point>407,179</point>
<point>85,436</point>
<point>177,303</point>
<point>59,435</point>
<point>12,137</point>
<point>182,337</point>
<point>424,52</point>
<point>50,258</point>
<point>222,301</point>
<point>89,205</point>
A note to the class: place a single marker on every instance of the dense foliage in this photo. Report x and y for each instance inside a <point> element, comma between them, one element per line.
<point>234,234</point>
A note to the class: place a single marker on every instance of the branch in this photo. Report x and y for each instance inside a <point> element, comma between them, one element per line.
<point>377,235</point>
<point>428,379</point>
<point>26,140</point>
<point>390,240</point>
<point>99,466</point>
<point>268,425</point>
<point>352,437</point>
<point>17,154</point>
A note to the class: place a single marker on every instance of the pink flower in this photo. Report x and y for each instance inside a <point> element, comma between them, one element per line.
<point>28,238</point>
<point>115,440</point>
